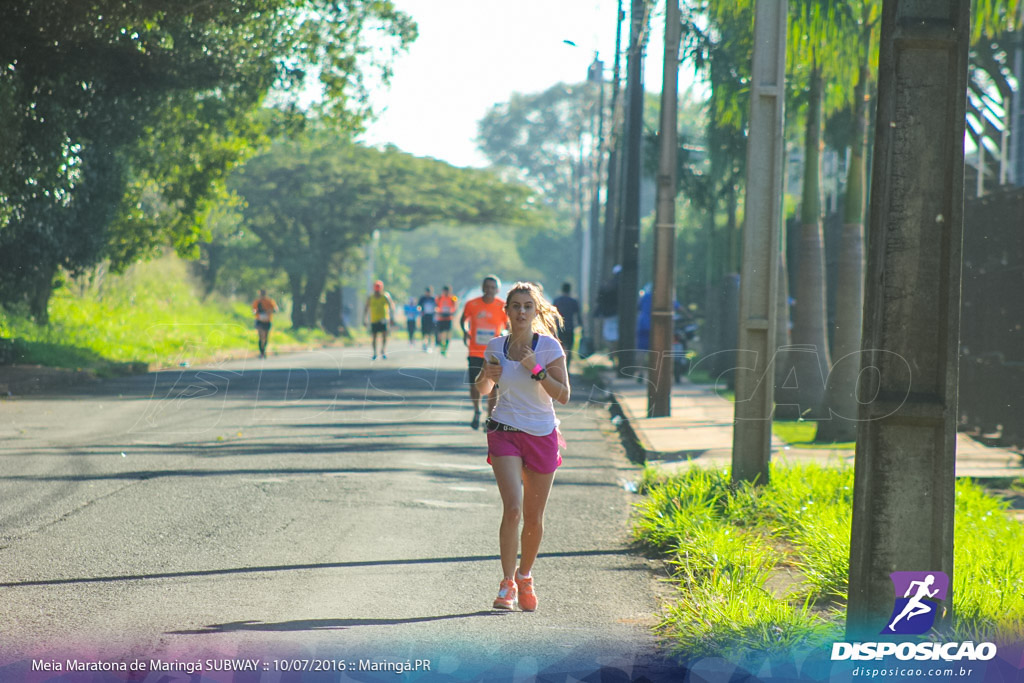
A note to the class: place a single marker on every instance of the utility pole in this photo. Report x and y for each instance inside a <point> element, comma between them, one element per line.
<point>630,247</point>
<point>659,392</point>
<point>762,227</point>
<point>904,468</point>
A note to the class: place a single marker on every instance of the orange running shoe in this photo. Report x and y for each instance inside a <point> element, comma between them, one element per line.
<point>506,595</point>
<point>527,597</point>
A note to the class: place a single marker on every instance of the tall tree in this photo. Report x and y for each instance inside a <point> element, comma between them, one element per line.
<point>824,59</point>
<point>839,412</point>
<point>437,255</point>
<point>541,140</point>
<point>310,200</point>
<point>718,40</point>
<point>988,72</point>
<point>123,118</point>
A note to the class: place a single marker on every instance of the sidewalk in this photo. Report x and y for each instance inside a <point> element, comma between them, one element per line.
<point>699,434</point>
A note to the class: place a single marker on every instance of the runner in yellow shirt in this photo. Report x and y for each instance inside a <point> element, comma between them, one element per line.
<point>379,314</point>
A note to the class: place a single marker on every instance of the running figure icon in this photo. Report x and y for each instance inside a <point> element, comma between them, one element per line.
<point>916,605</point>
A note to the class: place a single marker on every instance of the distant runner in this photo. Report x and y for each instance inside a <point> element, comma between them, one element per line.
<point>446,305</point>
<point>263,308</point>
<point>427,306</point>
<point>379,313</point>
<point>487,319</point>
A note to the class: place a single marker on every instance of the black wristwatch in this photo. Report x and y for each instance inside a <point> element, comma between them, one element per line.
<point>541,375</point>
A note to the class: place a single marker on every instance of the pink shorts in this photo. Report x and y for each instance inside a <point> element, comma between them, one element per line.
<point>539,453</point>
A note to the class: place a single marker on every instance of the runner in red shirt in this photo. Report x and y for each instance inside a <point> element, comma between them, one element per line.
<point>446,305</point>
<point>263,308</point>
<point>487,319</point>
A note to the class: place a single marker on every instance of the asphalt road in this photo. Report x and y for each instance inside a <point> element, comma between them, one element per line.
<point>311,510</point>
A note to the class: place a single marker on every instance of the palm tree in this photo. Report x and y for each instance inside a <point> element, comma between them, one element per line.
<point>840,404</point>
<point>990,19</point>
<point>819,52</point>
<point>721,47</point>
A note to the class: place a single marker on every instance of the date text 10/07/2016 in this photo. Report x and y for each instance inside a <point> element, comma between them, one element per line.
<point>395,666</point>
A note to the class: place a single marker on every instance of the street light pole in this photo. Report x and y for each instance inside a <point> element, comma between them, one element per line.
<point>613,190</point>
<point>630,246</point>
<point>593,241</point>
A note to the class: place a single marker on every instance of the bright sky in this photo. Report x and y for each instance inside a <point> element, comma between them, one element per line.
<point>472,54</point>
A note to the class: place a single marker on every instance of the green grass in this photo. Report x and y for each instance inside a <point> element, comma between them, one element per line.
<point>151,316</point>
<point>801,433</point>
<point>728,547</point>
<point>796,433</point>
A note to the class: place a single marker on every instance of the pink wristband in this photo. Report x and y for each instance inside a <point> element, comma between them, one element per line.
<point>536,368</point>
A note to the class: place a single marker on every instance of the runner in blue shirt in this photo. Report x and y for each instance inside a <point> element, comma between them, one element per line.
<point>427,305</point>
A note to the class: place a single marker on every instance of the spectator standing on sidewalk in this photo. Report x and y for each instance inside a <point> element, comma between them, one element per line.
<point>264,309</point>
<point>487,319</point>
<point>523,440</point>
<point>379,313</point>
<point>569,309</point>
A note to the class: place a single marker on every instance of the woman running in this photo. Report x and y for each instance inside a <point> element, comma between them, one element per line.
<point>528,366</point>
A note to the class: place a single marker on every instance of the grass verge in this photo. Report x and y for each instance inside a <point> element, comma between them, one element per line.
<point>149,317</point>
<point>801,434</point>
<point>796,433</point>
<point>728,548</point>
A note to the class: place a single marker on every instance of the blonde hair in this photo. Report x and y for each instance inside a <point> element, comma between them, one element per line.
<point>548,318</point>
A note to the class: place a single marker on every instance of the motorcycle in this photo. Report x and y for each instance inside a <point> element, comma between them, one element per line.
<point>684,343</point>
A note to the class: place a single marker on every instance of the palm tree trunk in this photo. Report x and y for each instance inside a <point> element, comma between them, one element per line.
<point>782,335</point>
<point>298,310</point>
<point>840,407</point>
<point>803,390</point>
<point>41,290</point>
<point>316,280</point>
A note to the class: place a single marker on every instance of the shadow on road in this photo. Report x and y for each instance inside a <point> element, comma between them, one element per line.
<point>297,567</point>
<point>322,624</point>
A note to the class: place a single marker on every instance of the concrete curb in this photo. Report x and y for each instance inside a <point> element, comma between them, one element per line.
<point>699,434</point>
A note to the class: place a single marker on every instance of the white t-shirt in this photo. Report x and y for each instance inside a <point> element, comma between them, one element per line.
<point>522,401</point>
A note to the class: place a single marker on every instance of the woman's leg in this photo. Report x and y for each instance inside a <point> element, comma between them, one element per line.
<point>536,488</point>
<point>508,472</point>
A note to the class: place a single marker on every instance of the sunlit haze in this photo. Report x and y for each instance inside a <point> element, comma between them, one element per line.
<point>472,54</point>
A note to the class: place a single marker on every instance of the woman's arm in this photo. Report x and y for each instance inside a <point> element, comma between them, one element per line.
<point>489,375</point>
<point>556,383</point>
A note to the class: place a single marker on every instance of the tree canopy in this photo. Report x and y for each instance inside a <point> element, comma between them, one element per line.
<point>310,200</point>
<point>120,120</point>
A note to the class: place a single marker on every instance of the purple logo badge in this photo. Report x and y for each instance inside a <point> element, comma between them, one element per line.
<point>917,598</point>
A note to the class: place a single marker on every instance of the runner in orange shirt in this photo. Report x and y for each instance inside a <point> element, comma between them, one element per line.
<point>446,305</point>
<point>263,308</point>
<point>487,319</point>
